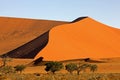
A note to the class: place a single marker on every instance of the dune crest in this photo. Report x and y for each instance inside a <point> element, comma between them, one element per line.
<point>16,32</point>
<point>82,39</point>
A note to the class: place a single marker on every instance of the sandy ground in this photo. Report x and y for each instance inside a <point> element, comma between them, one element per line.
<point>111,66</point>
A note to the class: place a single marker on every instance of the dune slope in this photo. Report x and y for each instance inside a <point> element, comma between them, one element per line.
<point>16,32</point>
<point>30,49</point>
<point>82,39</point>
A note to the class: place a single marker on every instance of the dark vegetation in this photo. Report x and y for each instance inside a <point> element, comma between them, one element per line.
<point>53,66</point>
<point>19,68</point>
<point>71,67</point>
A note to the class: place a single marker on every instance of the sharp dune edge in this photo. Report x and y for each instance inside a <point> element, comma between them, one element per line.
<point>16,34</point>
<point>86,38</point>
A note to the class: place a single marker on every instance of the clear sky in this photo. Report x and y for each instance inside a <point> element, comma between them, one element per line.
<point>105,11</point>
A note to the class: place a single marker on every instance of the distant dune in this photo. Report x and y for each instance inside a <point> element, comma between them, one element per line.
<point>15,33</point>
<point>84,38</point>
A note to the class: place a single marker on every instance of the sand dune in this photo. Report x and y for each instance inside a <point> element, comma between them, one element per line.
<point>15,32</point>
<point>30,49</point>
<point>82,39</point>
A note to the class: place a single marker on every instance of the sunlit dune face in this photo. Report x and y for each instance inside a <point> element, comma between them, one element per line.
<point>82,39</point>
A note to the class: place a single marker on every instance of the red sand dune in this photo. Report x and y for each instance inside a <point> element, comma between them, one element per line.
<point>82,39</point>
<point>14,32</point>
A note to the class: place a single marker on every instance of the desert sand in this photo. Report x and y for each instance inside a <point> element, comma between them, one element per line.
<point>15,32</point>
<point>86,38</point>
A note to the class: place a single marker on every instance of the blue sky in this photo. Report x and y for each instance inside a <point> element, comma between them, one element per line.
<point>105,11</point>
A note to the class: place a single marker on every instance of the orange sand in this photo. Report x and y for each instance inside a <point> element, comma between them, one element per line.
<point>14,32</point>
<point>82,39</point>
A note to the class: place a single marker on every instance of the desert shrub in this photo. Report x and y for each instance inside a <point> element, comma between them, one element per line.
<point>71,67</point>
<point>6,69</point>
<point>20,68</point>
<point>6,59</point>
<point>93,68</point>
<point>82,67</point>
<point>53,66</point>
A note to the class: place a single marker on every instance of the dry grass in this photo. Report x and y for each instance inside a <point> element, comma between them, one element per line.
<point>82,76</point>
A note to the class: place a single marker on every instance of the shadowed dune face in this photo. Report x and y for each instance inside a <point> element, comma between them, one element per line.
<point>14,32</point>
<point>30,49</point>
<point>82,39</point>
